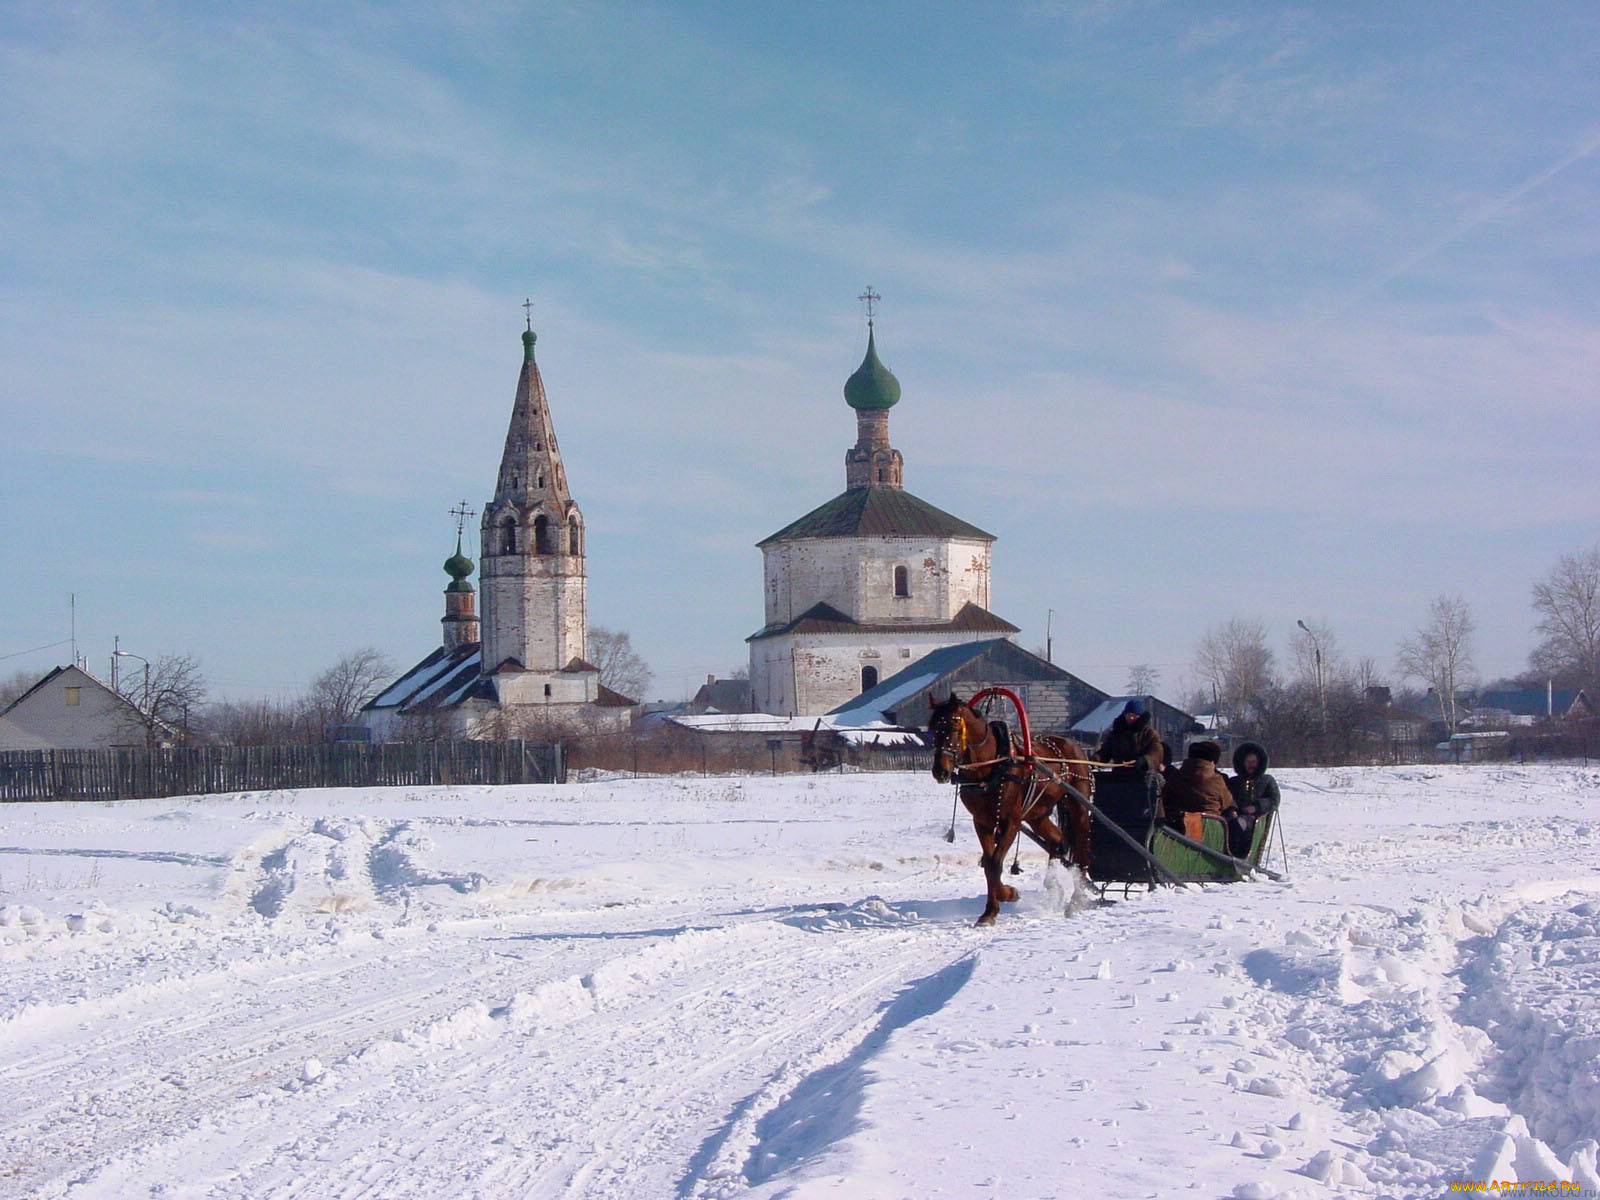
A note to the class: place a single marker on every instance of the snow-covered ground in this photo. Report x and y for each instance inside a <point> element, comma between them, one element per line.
<point>770,987</point>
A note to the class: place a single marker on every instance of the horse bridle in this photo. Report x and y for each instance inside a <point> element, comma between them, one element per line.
<point>954,753</point>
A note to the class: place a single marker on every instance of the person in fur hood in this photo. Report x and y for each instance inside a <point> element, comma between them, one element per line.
<point>1254,794</point>
<point>1132,738</point>
<point>1197,786</point>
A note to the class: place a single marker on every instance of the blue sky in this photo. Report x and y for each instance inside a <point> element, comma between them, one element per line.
<point>1206,311</point>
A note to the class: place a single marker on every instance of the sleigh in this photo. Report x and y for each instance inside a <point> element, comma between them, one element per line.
<point>1129,844</point>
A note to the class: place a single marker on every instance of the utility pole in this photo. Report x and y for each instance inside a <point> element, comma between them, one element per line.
<point>1322,690</point>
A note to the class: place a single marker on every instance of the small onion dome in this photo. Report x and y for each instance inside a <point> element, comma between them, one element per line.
<point>873,387</point>
<point>458,566</point>
<point>529,337</point>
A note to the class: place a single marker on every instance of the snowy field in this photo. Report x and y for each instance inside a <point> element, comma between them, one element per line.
<point>735,987</point>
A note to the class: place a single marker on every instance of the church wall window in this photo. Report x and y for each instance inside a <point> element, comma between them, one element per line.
<point>902,582</point>
<point>574,538</point>
<point>547,691</point>
<point>543,543</point>
<point>869,678</point>
<point>508,536</point>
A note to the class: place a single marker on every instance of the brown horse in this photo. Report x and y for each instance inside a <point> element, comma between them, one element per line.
<point>1005,792</point>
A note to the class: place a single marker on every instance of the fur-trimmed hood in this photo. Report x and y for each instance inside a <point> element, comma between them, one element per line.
<point>1250,748</point>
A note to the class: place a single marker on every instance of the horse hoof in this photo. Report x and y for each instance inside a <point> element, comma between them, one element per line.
<point>986,919</point>
<point>1008,894</point>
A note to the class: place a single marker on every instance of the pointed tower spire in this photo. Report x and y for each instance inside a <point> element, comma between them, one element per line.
<point>872,391</point>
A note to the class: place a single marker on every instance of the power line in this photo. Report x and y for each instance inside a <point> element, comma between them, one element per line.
<point>35,650</point>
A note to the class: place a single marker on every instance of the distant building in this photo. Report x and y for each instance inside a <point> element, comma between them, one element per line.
<point>721,696</point>
<point>519,666</point>
<point>69,709</point>
<point>865,585</point>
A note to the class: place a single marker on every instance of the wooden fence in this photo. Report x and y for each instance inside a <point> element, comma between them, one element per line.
<point>134,774</point>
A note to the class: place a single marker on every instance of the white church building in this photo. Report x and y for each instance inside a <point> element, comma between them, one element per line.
<point>869,582</point>
<point>521,665</point>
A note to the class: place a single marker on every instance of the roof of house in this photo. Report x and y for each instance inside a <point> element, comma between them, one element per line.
<point>1103,715</point>
<point>877,512</point>
<point>446,677</point>
<point>724,695</point>
<point>1532,702</point>
<point>874,704</point>
<point>822,617</point>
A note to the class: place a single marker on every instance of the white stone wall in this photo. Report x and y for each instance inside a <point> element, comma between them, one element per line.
<point>856,576</point>
<point>534,688</point>
<point>810,674</point>
<point>535,609</point>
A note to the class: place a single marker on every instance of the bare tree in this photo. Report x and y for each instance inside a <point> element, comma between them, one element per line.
<point>1311,639</point>
<point>253,723</point>
<point>622,668</point>
<point>14,684</point>
<point>164,695</point>
<point>338,693</point>
<point>1143,679</point>
<point>1234,662</point>
<point>1440,653</point>
<point>1567,601</point>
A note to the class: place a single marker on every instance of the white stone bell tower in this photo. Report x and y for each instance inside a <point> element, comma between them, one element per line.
<point>532,579</point>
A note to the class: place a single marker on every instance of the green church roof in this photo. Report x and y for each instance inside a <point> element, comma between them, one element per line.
<point>877,512</point>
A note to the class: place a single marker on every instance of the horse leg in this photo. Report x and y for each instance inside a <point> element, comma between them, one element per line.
<point>1039,820</point>
<point>990,862</point>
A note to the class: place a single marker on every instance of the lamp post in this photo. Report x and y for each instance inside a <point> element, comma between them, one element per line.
<point>1322,692</point>
<point>120,653</point>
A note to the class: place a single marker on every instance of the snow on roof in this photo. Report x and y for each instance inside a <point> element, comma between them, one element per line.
<point>881,734</point>
<point>873,705</point>
<point>1101,717</point>
<point>431,675</point>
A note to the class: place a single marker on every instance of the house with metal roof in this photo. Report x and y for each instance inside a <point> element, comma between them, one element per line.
<point>1052,696</point>
<point>871,581</point>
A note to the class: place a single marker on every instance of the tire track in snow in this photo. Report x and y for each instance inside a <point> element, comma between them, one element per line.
<point>594,1085</point>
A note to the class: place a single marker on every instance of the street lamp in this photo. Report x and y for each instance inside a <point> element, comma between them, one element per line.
<point>1316,649</point>
<point>121,653</point>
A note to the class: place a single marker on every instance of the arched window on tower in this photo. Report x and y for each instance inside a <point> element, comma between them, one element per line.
<point>543,543</point>
<point>508,536</point>
<point>902,582</point>
<point>574,537</point>
<point>869,678</point>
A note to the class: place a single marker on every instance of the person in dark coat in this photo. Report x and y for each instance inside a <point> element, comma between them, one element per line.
<point>1252,793</point>
<point>1197,786</point>
<point>1132,738</point>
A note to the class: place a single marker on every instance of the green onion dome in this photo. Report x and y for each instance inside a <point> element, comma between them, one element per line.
<point>458,566</point>
<point>873,387</point>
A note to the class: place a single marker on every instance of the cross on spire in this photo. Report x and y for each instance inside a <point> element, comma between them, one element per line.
<point>527,308</point>
<point>869,299</point>
<point>462,514</point>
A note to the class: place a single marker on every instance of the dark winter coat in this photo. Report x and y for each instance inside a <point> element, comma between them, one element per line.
<point>1253,795</point>
<point>1196,786</point>
<point>1130,741</point>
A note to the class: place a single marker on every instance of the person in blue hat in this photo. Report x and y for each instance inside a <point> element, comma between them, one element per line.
<point>1132,738</point>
